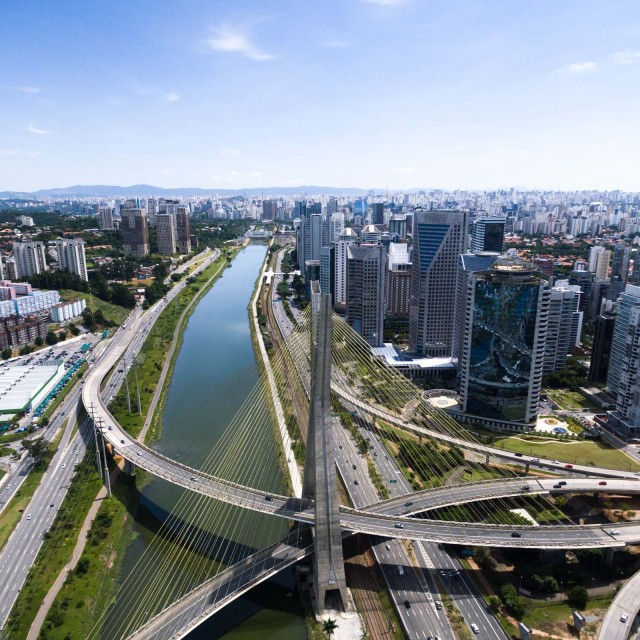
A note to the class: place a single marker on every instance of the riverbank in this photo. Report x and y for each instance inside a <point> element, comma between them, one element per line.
<point>286,457</point>
<point>155,352</point>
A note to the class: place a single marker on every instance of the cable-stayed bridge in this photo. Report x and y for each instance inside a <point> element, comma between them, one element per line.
<point>335,364</point>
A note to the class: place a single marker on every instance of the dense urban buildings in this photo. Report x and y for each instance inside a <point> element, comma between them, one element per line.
<point>488,235</point>
<point>30,258</point>
<point>135,231</point>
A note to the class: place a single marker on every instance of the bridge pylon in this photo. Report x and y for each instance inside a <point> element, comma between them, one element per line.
<point>320,468</point>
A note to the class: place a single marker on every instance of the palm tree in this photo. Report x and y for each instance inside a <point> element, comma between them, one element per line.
<point>329,626</point>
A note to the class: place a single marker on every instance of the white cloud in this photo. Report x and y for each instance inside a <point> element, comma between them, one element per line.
<point>578,68</point>
<point>171,97</point>
<point>33,154</point>
<point>256,173</point>
<point>165,172</point>
<point>405,169</point>
<point>9,152</point>
<point>627,56</point>
<point>233,172</point>
<point>232,40</point>
<point>229,152</point>
<point>39,132</point>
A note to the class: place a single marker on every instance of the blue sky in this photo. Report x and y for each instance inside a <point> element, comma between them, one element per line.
<point>367,93</point>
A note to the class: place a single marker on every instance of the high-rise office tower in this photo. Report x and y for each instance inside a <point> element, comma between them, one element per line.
<point>623,379</point>
<point>599,262</point>
<point>504,341</point>
<point>332,228</point>
<point>183,230</point>
<point>309,239</point>
<point>269,209</point>
<point>105,216</point>
<point>398,282</point>
<point>152,211</point>
<point>30,258</point>
<point>377,213</point>
<point>71,257</point>
<point>332,206</point>
<point>1,267</point>
<point>135,232</point>
<point>345,239</point>
<point>371,234</point>
<point>166,232</point>
<point>564,325</point>
<point>627,302</point>
<point>365,291</point>
<point>398,226</point>
<point>439,237</point>
<point>487,235</point>
<point>602,343</point>
<point>300,210</point>
<point>327,270</point>
<point>467,265</point>
<point>620,262</point>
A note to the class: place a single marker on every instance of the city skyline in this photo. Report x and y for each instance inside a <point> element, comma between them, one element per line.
<point>357,93</point>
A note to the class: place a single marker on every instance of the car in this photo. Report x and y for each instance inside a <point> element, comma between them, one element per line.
<point>353,466</point>
<point>438,605</point>
<point>339,446</point>
<point>555,462</point>
<point>398,525</point>
<point>624,617</point>
<point>637,473</point>
<point>121,441</point>
<point>268,498</point>
<point>602,482</point>
<point>614,532</point>
<point>77,453</point>
<point>387,547</point>
<point>355,482</point>
<point>408,504</point>
<point>29,517</point>
<point>51,505</point>
<point>400,570</point>
<point>64,465</point>
<point>557,486</point>
<point>138,453</point>
<point>515,534</point>
<point>524,487</point>
<point>535,459</point>
<point>109,427</point>
<point>407,604</point>
<point>518,455</point>
<point>568,466</point>
<point>475,628</point>
<point>562,483</point>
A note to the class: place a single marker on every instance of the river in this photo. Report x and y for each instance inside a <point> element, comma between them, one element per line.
<point>214,373</point>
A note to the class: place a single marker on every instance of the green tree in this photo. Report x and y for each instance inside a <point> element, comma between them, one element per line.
<point>38,341</point>
<point>6,354</point>
<point>38,449</point>
<point>51,338</point>
<point>73,329</point>
<point>329,627</point>
<point>578,597</point>
<point>494,604</point>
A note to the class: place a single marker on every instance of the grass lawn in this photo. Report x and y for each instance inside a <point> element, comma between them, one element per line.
<point>569,400</point>
<point>577,452</point>
<point>111,312</point>
<point>546,615</point>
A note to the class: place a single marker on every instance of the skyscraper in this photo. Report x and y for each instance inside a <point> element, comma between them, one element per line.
<point>345,239</point>
<point>135,232</point>
<point>504,340</point>
<point>71,257</point>
<point>152,210</point>
<point>620,262</point>
<point>623,378</point>
<point>439,237</point>
<point>309,239</point>
<point>105,215</point>
<point>365,291</point>
<point>269,209</point>
<point>599,262</point>
<point>30,258</point>
<point>488,235</point>
<point>398,282</point>
<point>602,344</point>
<point>377,213</point>
<point>166,231</point>
<point>183,230</point>
<point>564,325</point>
<point>327,270</point>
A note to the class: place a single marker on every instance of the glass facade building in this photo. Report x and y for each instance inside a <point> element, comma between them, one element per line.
<point>504,339</point>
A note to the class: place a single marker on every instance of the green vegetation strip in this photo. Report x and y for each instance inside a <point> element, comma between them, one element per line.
<point>586,452</point>
<point>152,356</point>
<point>44,418</point>
<point>55,551</point>
<point>111,312</point>
<point>90,588</point>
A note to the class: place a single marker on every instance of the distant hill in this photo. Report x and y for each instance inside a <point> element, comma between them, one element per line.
<point>141,190</point>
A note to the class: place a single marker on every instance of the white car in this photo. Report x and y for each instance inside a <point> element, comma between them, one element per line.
<point>474,628</point>
<point>624,617</point>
